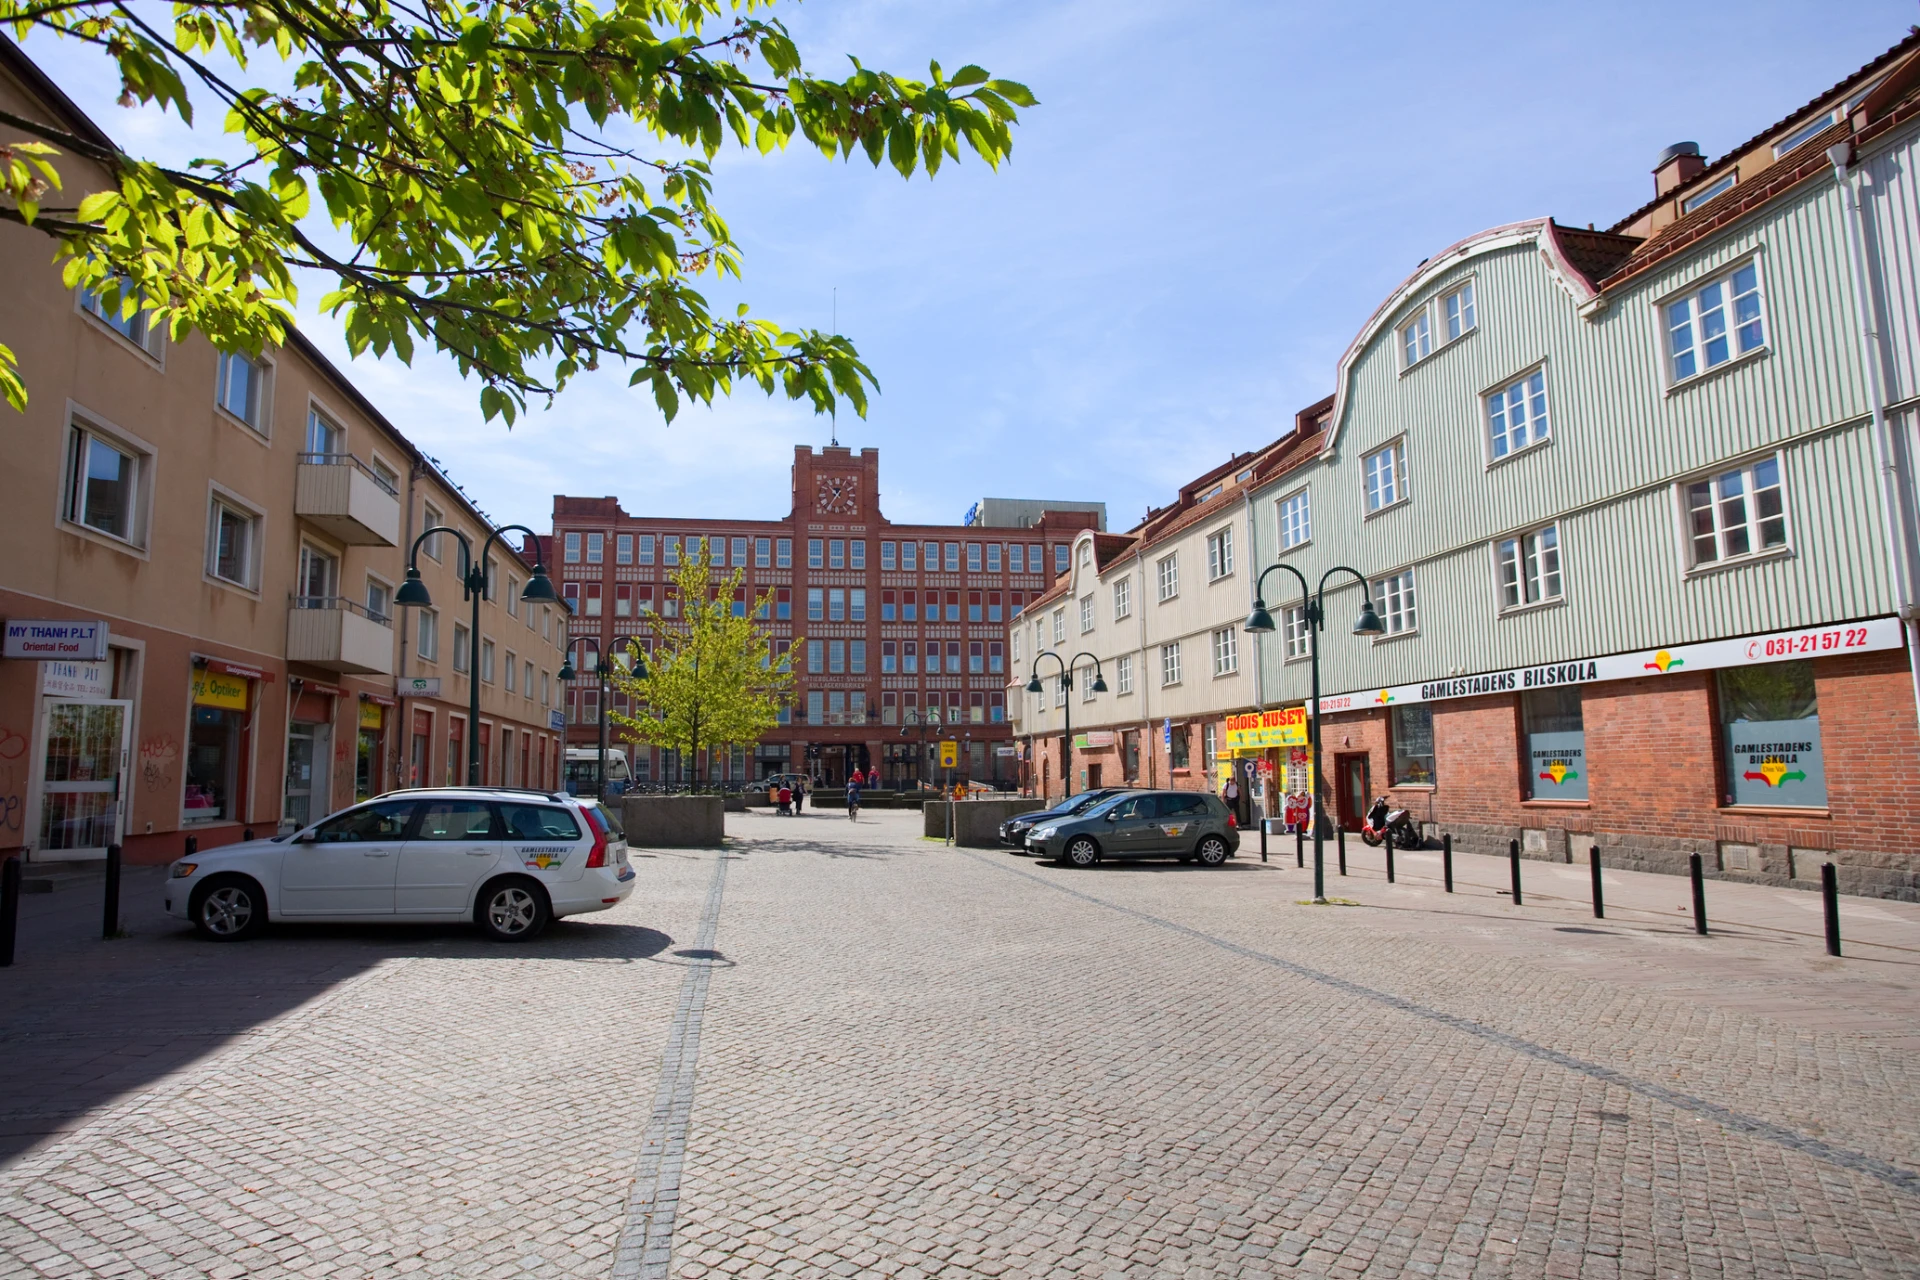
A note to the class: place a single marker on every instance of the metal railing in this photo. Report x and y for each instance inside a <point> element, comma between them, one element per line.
<point>341,604</point>
<point>347,459</point>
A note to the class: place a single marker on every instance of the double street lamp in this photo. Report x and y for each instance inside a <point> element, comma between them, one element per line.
<point>473,585</point>
<point>1067,666</point>
<point>601,668</point>
<point>1313,610</point>
<point>923,725</point>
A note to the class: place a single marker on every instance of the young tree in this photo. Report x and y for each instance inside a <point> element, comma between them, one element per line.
<point>472,157</point>
<point>712,678</point>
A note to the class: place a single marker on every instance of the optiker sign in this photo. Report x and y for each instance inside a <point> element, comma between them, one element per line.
<point>55,639</point>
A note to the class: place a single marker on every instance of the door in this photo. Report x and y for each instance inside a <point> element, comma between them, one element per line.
<point>452,846</point>
<point>83,766</point>
<point>309,750</point>
<point>1178,827</point>
<point>1135,829</point>
<point>347,868</point>
<point>1093,777</point>
<point>1355,790</point>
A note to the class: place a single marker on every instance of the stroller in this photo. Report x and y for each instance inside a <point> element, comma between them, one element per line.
<point>786,802</point>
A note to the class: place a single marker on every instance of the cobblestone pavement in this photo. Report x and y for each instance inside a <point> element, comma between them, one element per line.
<point>861,1053</point>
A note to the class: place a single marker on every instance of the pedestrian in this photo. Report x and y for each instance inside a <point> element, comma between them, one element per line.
<point>853,796</point>
<point>1231,794</point>
<point>799,794</point>
<point>786,800</point>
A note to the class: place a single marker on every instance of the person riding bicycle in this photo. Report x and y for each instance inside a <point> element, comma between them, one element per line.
<point>853,797</point>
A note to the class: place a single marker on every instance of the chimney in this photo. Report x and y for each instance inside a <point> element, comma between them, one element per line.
<point>1679,163</point>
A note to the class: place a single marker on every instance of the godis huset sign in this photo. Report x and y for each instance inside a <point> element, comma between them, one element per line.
<point>1258,730</point>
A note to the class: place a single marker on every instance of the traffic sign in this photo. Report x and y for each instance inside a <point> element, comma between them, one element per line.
<point>949,754</point>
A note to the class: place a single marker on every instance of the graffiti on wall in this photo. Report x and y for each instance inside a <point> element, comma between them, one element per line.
<point>13,753</point>
<point>157,759</point>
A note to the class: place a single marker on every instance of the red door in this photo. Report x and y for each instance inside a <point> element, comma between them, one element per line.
<point>1352,780</point>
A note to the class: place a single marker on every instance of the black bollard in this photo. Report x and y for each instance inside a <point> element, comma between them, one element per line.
<point>1513,865</point>
<point>1829,897</point>
<point>246,833</point>
<point>1263,839</point>
<point>1599,904</point>
<point>10,908</point>
<point>1389,835</point>
<point>110,909</point>
<point>1446,859</point>
<point>1341,835</point>
<point>1699,893</point>
<point>1299,844</point>
<point>192,847</point>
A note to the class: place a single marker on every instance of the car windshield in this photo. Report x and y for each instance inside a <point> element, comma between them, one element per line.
<point>1101,808</point>
<point>1088,801</point>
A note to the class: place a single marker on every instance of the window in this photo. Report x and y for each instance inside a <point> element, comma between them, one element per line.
<point>889,606</point>
<point>112,313</point>
<point>1386,475</point>
<point>572,545</point>
<point>526,673</point>
<point>1035,562</point>
<point>837,604</point>
<point>993,557</point>
<point>1226,652</point>
<point>1411,728</point>
<point>1714,324</point>
<point>1299,640</point>
<point>816,604</point>
<point>837,553</point>
<point>1416,339</point>
<point>816,554</point>
<point>1179,748</point>
<point>993,606</point>
<point>976,657</point>
<point>570,593</point>
<point>233,538</point>
<point>1220,554</point>
<point>953,606</point>
<point>1086,686</point>
<point>546,688</point>
<point>739,553</point>
<point>462,647</point>
<point>1458,308</point>
<point>953,657</point>
<point>1059,626</point>
<point>973,557</point>
<point>1296,520</point>
<point>910,657</point>
<point>1810,130</point>
<point>783,604</point>
<point>889,657</point>
<point>996,657</point>
<point>909,556</point>
<point>1016,644</point>
<point>240,387</point>
<point>646,548</point>
<point>1086,548</point>
<point>857,605</point>
<point>889,555</point>
<point>1059,558</point>
<point>1122,598</point>
<point>670,549</point>
<point>1060,693</point>
<point>1170,663</point>
<point>909,611</point>
<point>762,553</point>
<point>1393,597</point>
<point>783,553</point>
<point>325,437</point>
<point>1718,187</point>
<point>623,600</point>
<point>513,596</point>
<point>952,558</point>
<point>816,657</point>
<point>1736,513</point>
<point>1086,614</point>
<point>596,548</point>
<point>1517,414</point>
<point>1169,575</point>
<point>837,657</point>
<point>623,548</point>
<point>1770,719</point>
<point>816,707</point>
<point>1556,759</point>
<point>319,578</point>
<point>428,643</point>
<point>1123,674</point>
<point>379,600</point>
<point>1016,558</point>
<point>431,518</point>
<point>104,486</point>
<point>857,553</point>
<point>1529,567</point>
<point>593,600</point>
<point>486,661</point>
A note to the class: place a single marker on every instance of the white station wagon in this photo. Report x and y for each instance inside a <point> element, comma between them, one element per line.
<point>508,860</point>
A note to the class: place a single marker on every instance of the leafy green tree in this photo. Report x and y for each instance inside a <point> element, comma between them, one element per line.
<point>475,159</point>
<point>712,678</point>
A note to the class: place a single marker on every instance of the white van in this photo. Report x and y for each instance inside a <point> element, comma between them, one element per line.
<point>583,771</point>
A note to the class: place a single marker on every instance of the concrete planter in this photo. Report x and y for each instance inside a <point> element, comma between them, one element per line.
<point>976,823</point>
<point>674,822</point>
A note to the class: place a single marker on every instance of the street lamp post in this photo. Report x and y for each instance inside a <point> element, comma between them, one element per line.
<point>602,669</point>
<point>473,586</point>
<point>1313,607</point>
<point>1066,666</point>
<point>921,725</point>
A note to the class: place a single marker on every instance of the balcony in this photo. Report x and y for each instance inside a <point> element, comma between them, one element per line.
<point>340,635</point>
<point>341,495</point>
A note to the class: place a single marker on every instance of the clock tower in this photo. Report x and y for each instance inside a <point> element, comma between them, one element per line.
<point>835,486</point>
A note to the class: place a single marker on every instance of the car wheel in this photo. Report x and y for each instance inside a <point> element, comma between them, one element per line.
<point>1211,852</point>
<point>228,909</point>
<point>512,910</point>
<point>1081,852</point>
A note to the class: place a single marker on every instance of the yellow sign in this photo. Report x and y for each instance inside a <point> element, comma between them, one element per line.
<point>949,754</point>
<point>372,715</point>
<point>1284,727</point>
<point>214,690</point>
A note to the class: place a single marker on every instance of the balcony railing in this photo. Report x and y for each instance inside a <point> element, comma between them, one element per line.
<point>348,499</point>
<point>348,459</point>
<point>341,635</point>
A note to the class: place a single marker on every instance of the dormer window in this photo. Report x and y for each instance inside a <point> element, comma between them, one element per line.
<point>1452,314</point>
<point>1806,133</point>
<point>1416,339</point>
<point>1718,187</point>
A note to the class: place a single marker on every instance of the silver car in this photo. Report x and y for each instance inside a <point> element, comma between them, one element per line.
<point>1192,826</point>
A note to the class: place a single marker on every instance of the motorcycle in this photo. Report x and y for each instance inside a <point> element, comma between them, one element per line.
<point>1399,822</point>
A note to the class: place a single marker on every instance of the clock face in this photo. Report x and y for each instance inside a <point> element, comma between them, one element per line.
<point>839,495</point>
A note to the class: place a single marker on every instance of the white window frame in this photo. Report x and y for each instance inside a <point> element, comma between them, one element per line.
<point>86,427</point>
<point>1684,511</point>
<point>1169,664</point>
<point>1468,311</point>
<point>140,333</point>
<point>1297,638</point>
<point>1086,613</point>
<point>486,660</point>
<point>261,422</point>
<point>1220,554</point>
<point>596,547</point>
<point>1712,191</point>
<point>429,517</point>
<point>1226,653</point>
<point>1535,404</point>
<point>1527,562</point>
<point>311,550</point>
<point>1294,514</point>
<point>1123,597</point>
<point>1396,598</point>
<point>1123,673</point>
<point>510,671</point>
<point>1060,626</point>
<point>426,640</point>
<point>1670,360</point>
<point>387,616</point>
<point>220,497</point>
<point>1426,330</point>
<point>462,654</point>
<point>1395,449</point>
<point>1167,575</point>
<point>321,416</point>
<point>1416,337</point>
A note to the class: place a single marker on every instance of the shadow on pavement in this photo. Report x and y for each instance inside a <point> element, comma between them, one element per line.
<point>84,1021</point>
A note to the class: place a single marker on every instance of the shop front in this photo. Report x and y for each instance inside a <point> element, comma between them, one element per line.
<point>308,792</point>
<point>83,757</point>
<point>370,752</point>
<point>1270,761</point>
<point>224,700</point>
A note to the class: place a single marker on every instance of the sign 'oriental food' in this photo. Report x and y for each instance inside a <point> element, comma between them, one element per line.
<point>1257,730</point>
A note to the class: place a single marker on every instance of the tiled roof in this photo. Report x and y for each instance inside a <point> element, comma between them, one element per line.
<point>1595,254</point>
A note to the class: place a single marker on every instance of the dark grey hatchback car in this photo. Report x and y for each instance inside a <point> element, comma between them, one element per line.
<point>1188,825</point>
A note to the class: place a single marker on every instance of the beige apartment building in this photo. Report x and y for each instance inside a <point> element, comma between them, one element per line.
<point>1156,613</point>
<point>201,637</point>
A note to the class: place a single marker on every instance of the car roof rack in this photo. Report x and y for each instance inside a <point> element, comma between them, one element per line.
<point>518,791</point>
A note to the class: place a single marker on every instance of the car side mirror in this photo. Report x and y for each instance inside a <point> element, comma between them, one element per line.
<point>306,837</point>
<point>1113,815</point>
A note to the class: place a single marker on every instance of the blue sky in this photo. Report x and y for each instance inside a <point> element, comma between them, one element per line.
<point>1207,203</point>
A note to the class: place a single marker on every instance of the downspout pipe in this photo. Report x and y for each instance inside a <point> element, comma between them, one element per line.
<point>1146,681</point>
<point>1891,507</point>
<point>1259,653</point>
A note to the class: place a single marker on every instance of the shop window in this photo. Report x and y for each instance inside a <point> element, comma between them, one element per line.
<point>214,746</point>
<point>1556,760</point>
<point>1411,728</point>
<point>1770,726</point>
<point>1179,748</point>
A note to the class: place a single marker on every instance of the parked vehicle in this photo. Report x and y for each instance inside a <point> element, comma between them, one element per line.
<point>1193,826</point>
<point>1013,832</point>
<point>509,860</point>
<point>583,771</point>
<point>1381,820</point>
